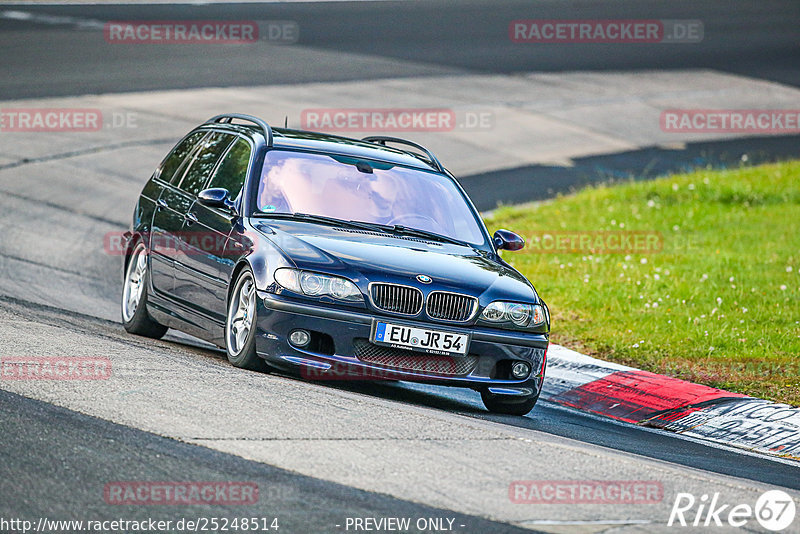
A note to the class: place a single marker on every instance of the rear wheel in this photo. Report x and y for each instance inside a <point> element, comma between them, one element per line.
<point>135,318</point>
<point>240,326</point>
<point>508,404</point>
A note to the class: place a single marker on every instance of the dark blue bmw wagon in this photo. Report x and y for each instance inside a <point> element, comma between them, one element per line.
<point>332,257</point>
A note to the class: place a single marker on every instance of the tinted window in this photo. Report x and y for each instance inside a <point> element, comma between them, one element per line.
<point>232,172</point>
<point>375,192</point>
<point>204,161</point>
<point>178,154</point>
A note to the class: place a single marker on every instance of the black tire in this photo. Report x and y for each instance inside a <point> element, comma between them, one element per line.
<point>242,352</point>
<point>135,318</point>
<point>508,404</point>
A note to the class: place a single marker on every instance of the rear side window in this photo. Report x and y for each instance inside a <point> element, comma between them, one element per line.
<point>178,154</point>
<point>211,149</point>
<point>232,172</point>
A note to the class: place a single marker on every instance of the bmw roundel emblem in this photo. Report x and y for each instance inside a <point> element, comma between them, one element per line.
<point>424,279</point>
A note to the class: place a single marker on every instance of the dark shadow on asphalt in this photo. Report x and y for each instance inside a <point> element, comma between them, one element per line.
<point>540,182</point>
<point>758,39</point>
<point>401,391</point>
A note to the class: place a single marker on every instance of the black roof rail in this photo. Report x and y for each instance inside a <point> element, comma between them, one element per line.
<point>382,140</point>
<point>228,118</point>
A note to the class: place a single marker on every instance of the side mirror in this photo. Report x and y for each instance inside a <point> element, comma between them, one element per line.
<point>507,240</point>
<point>215,197</point>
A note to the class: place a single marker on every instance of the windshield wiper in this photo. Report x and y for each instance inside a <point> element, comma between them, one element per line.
<point>361,225</point>
<point>323,219</point>
<point>416,232</point>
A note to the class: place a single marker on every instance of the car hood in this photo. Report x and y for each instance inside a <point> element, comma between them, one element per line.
<point>366,257</point>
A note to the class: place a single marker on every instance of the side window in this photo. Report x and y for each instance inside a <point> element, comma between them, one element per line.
<point>204,161</point>
<point>178,154</point>
<point>232,172</point>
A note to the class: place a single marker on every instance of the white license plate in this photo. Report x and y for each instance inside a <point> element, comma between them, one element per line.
<point>420,339</point>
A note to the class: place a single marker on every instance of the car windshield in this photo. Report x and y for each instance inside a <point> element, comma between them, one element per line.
<point>355,189</point>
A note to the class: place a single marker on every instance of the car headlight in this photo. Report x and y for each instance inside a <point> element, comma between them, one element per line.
<point>318,285</point>
<point>515,313</point>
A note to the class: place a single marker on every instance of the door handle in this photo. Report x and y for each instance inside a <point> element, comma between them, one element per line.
<point>190,218</point>
<point>161,203</point>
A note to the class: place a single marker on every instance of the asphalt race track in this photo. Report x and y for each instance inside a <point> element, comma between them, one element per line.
<point>362,40</point>
<point>320,453</point>
<point>100,451</point>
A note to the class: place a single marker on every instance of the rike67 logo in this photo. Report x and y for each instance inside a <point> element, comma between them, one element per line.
<point>774,510</point>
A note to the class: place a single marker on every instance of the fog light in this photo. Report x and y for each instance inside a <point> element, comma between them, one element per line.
<point>299,338</point>
<point>520,370</point>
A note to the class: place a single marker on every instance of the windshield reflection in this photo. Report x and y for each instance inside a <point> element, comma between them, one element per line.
<point>363,190</point>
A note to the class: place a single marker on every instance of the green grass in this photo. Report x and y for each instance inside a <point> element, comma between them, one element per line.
<point>719,304</point>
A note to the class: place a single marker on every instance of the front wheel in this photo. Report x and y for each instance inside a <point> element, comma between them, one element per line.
<point>135,318</point>
<point>508,404</point>
<point>240,326</point>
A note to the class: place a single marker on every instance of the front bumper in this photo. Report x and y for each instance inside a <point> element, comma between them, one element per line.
<point>345,352</point>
